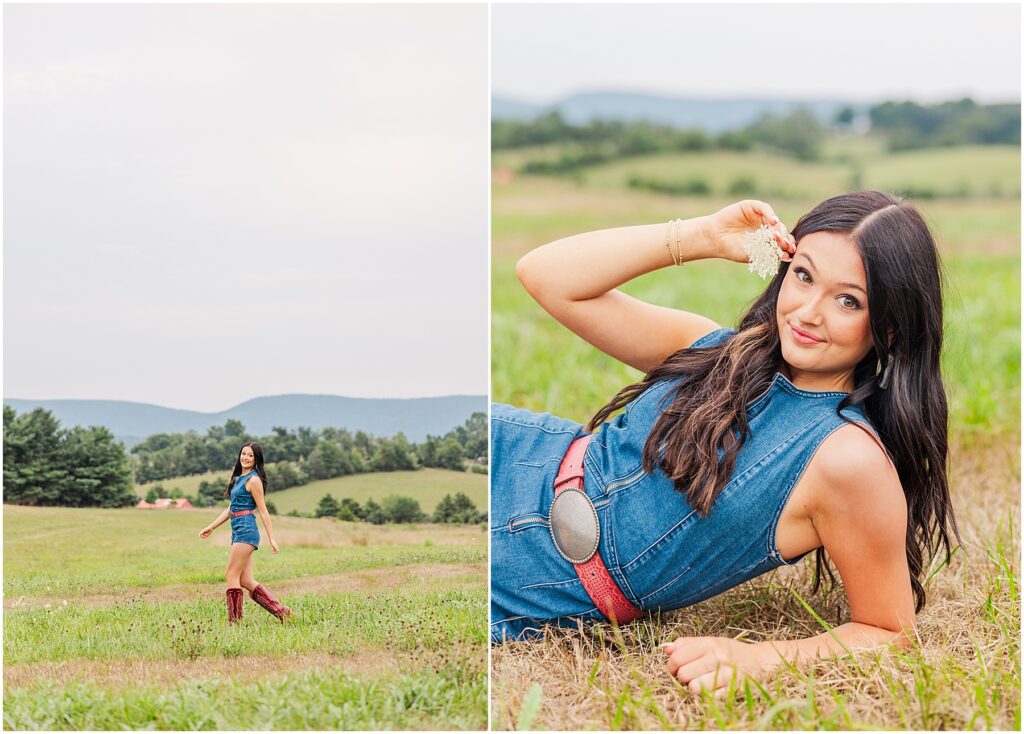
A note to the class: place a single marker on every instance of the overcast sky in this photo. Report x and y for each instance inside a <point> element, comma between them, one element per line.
<point>862,52</point>
<point>209,203</point>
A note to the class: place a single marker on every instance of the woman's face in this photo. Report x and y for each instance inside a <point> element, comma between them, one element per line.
<point>247,458</point>
<point>822,313</point>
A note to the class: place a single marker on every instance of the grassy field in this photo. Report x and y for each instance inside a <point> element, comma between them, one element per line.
<point>189,484</point>
<point>116,619</point>
<point>965,670</point>
<point>427,486</point>
<point>990,171</point>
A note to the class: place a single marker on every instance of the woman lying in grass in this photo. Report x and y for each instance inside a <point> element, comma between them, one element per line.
<point>818,425</point>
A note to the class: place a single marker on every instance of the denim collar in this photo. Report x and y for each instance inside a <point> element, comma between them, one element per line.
<point>788,386</point>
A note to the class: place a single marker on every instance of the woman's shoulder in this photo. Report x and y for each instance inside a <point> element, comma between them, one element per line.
<point>854,472</point>
<point>253,480</point>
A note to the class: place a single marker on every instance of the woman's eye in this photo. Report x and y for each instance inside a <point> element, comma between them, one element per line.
<point>849,302</point>
<point>802,275</point>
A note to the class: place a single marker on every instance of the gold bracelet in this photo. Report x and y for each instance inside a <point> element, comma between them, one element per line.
<point>679,248</point>
<point>668,241</point>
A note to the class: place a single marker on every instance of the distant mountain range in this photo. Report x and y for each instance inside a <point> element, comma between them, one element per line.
<point>712,115</point>
<point>132,422</point>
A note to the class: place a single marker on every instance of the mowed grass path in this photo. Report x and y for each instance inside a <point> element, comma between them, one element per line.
<point>965,672</point>
<point>426,486</point>
<point>116,619</point>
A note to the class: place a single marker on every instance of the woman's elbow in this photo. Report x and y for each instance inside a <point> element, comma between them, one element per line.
<point>905,639</point>
<point>525,270</point>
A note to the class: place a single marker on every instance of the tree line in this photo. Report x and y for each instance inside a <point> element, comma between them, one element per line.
<point>799,133</point>
<point>910,125</point>
<point>306,455</point>
<point>457,508</point>
<point>45,464</point>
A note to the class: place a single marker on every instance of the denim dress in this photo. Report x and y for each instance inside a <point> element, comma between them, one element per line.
<point>659,551</point>
<point>243,529</point>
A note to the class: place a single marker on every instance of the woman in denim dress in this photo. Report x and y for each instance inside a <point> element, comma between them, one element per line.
<point>825,410</point>
<point>245,489</point>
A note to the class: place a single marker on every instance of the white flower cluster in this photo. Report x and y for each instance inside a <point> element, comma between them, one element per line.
<point>763,251</point>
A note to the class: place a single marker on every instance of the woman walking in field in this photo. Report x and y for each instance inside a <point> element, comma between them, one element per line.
<point>818,425</point>
<point>246,487</point>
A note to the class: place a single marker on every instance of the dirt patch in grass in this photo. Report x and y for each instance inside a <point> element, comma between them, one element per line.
<point>132,673</point>
<point>964,673</point>
<point>374,579</point>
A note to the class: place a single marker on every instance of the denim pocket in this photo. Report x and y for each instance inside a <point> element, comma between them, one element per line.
<point>529,520</point>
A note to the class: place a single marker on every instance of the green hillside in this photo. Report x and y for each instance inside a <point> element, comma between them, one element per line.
<point>968,171</point>
<point>189,484</point>
<point>426,486</point>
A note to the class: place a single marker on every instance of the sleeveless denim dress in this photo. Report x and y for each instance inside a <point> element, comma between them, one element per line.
<point>243,529</point>
<point>659,551</point>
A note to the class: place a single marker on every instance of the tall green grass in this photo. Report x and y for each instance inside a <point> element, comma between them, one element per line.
<point>333,623</point>
<point>423,698</point>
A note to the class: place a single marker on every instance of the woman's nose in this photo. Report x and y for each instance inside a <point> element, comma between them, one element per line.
<point>810,311</point>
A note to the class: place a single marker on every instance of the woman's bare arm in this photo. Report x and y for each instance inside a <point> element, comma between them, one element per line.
<point>861,518</point>
<point>575,280</point>
<point>221,518</point>
<point>255,486</point>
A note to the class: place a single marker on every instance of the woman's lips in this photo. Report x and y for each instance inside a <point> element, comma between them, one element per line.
<point>802,337</point>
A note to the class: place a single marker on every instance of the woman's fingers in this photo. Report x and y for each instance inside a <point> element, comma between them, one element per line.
<point>762,211</point>
<point>768,215</point>
<point>684,652</point>
<point>786,243</point>
<point>715,680</point>
<point>769,218</point>
<point>696,669</point>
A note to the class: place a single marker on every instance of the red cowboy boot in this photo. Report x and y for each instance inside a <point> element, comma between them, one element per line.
<point>261,596</point>
<point>235,598</point>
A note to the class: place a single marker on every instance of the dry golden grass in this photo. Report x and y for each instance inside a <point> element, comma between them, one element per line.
<point>331,533</point>
<point>964,673</point>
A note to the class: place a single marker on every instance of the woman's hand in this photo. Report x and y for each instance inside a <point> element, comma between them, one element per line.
<point>205,532</point>
<point>273,544</point>
<point>725,228</point>
<point>693,661</point>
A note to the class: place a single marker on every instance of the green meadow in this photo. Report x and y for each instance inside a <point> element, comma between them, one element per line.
<point>964,671</point>
<point>116,619</point>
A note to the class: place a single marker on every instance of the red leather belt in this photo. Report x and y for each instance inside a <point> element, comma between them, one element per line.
<point>597,581</point>
<point>243,512</point>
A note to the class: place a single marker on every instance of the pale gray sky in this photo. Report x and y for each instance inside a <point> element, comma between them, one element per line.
<point>861,52</point>
<point>208,203</point>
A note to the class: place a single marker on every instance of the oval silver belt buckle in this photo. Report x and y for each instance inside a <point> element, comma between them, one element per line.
<point>574,527</point>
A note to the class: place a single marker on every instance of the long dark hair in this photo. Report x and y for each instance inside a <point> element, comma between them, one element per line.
<point>257,455</point>
<point>706,412</point>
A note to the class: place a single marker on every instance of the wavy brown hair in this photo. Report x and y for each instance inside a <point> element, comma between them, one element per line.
<point>257,455</point>
<point>705,414</point>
